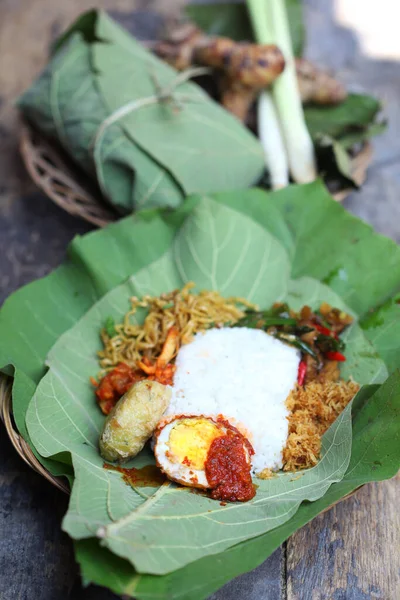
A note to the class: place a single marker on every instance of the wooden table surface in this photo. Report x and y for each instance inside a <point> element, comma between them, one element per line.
<point>349,553</point>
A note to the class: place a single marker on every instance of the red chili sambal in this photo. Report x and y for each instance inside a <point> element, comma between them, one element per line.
<point>115,384</point>
<point>228,468</point>
<point>118,381</point>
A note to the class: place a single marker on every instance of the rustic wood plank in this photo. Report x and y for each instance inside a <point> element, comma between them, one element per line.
<point>350,553</point>
<point>267,582</point>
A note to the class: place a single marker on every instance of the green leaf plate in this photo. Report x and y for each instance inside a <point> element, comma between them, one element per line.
<point>305,235</point>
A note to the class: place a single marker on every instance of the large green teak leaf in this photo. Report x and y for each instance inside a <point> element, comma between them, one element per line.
<point>382,328</point>
<point>339,249</point>
<point>157,153</point>
<point>217,249</point>
<point>302,246</point>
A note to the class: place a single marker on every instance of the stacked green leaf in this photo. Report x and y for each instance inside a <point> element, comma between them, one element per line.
<point>265,247</point>
<point>162,149</point>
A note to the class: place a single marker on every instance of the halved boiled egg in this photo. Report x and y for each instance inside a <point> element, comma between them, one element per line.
<point>182,447</point>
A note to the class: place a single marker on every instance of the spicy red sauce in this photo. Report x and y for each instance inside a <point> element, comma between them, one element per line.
<point>228,470</point>
<point>148,476</point>
<point>118,381</point>
<point>115,384</point>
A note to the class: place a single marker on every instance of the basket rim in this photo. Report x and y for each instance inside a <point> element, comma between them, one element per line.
<point>57,179</point>
<point>27,455</point>
<point>20,445</point>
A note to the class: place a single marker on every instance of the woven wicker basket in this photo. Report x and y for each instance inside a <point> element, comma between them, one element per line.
<point>59,180</point>
<point>17,440</point>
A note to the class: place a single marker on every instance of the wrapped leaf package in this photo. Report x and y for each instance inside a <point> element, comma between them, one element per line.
<point>162,148</point>
<point>249,243</point>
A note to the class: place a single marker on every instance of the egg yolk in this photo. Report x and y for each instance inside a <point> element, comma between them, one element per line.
<point>190,440</point>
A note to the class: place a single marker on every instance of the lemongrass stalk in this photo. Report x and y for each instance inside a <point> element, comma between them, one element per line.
<point>299,146</point>
<point>270,23</point>
<point>269,129</point>
<point>271,138</point>
<point>261,26</point>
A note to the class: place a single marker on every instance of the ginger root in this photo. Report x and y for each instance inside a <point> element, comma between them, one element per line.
<point>244,69</point>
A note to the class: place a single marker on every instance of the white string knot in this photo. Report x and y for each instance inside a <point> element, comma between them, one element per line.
<point>163,96</point>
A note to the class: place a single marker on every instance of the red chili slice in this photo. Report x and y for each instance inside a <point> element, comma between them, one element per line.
<point>325,330</point>
<point>301,373</point>
<point>338,356</point>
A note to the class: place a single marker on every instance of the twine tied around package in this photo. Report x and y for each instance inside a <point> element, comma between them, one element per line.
<point>163,95</point>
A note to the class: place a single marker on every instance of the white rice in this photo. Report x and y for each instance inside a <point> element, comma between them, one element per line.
<point>245,375</point>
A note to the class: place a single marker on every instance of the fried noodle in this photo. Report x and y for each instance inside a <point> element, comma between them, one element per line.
<point>189,313</point>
